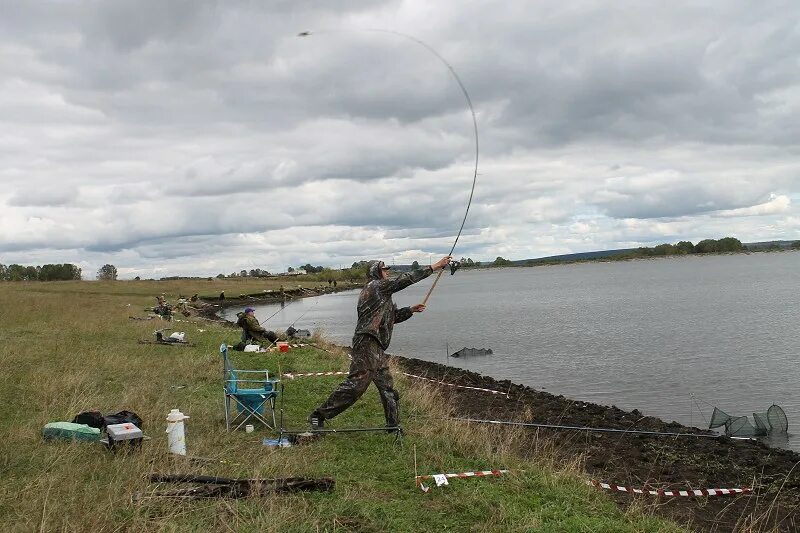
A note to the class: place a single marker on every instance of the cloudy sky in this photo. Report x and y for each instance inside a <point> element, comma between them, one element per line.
<point>197,137</point>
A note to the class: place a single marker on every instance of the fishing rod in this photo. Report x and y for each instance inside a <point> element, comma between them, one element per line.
<point>295,320</point>
<point>306,312</point>
<point>387,429</point>
<point>454,264</point>
<point>591,429</point>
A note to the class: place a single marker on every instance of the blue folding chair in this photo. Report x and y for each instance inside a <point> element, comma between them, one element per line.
<point>250,397</point>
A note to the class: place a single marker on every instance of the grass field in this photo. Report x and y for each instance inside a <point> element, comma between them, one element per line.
<point>70,347</point>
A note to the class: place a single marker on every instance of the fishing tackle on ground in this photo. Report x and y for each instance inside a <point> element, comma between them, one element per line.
<point>291,332</point>
<point>384,429</point>
<point>468,100</point>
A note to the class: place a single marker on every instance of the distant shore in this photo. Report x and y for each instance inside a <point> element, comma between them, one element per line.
<point>612,259</point>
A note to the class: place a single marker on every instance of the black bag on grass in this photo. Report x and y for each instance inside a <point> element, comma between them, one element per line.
<point>96,419</point>
<point>93,419</point>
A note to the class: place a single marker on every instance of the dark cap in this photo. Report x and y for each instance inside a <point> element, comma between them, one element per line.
<point>249,309</point>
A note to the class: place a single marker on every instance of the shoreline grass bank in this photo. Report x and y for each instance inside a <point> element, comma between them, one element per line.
<point>70,347</point>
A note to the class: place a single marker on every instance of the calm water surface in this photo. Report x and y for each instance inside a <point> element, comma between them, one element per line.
<point>667,337</point>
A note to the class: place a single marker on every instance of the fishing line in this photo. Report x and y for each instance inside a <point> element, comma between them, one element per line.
<point>295,320</point>
<point>592,429</point>
<point>699,410</point>
<point>461,86</point>
<point>306,312</point>
<point>282,308</point>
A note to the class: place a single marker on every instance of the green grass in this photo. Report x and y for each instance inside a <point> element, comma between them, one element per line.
<point>69,347</point>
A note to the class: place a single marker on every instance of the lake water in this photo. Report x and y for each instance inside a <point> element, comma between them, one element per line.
<point>668,337</point>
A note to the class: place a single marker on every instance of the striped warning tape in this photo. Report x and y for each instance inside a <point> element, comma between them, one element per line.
<point>292,375</point>
<point>479,473</point>
<point>662,492</point>
<point>441,479</point>
<point>454,385</point>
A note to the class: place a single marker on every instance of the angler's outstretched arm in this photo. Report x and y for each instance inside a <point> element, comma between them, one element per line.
<point>409,278</point>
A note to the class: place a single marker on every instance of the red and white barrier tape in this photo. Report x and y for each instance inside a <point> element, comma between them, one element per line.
<point>661,492</point>
<point>275,348</point>
<point>479,473</point>
<point>454,385</point>
<point>291,375</point>
<point>441,479</point>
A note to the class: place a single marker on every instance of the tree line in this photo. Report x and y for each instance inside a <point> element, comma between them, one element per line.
<point>706,246</point>
<point>466,262</point>
<point>59,272</point>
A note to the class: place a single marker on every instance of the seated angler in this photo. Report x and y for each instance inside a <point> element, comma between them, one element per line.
<point>162,308</point>
<point>251,329</point>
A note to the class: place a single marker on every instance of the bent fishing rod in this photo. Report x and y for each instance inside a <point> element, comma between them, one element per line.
<point>454,264</point>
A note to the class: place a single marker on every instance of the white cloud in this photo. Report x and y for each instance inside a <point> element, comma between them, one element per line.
<point>775,205</point>
<point>199,137</point>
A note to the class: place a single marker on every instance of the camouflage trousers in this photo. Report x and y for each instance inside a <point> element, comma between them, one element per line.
<point>369,365</point>
<point>267,336</point>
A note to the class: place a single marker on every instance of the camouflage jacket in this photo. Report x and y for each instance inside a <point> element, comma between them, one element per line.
<point>249,323</point>
<point>377,313</point>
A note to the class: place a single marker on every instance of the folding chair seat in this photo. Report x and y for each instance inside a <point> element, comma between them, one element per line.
<point>247,392</point>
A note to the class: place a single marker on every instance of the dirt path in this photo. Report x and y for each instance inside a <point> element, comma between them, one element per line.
<point>640,460</point>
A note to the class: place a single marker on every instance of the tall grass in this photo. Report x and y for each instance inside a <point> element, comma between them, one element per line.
<point>69,347</point>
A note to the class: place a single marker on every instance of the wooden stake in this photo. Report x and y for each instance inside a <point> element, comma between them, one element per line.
<point>415,462</point>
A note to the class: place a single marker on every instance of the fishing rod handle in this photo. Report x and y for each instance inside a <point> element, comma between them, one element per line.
<point>439,275</point>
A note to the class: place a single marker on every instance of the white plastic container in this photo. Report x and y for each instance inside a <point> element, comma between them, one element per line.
<point>175,432</point>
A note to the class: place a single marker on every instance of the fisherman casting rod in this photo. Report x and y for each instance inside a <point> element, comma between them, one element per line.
<point>430,49</point>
